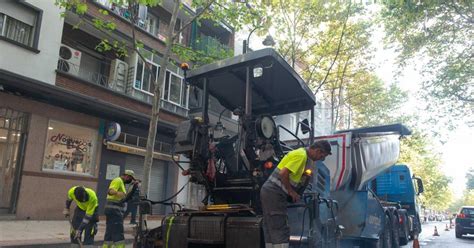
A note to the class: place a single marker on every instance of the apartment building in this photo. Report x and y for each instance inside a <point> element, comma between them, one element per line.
<point>73,115</point>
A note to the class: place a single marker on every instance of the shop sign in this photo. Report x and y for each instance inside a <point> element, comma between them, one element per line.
<point>112,132</point>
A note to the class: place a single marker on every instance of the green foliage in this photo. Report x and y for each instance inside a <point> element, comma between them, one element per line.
<point>441,33</point>
<point>199,57</point>
<point>416,153</point>
<point>372,103</point>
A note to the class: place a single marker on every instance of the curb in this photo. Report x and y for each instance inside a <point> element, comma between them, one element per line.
<point>55,245</point>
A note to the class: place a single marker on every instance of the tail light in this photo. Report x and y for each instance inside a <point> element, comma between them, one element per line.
<point>461,216</point>
<point>400,219</point>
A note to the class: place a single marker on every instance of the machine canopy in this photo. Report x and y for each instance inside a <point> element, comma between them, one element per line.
<point>276,87</point>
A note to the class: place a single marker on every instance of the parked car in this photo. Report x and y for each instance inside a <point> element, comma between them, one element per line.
<point>465,221</point>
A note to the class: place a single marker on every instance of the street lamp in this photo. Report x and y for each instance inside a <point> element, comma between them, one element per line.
<point>269,41</point>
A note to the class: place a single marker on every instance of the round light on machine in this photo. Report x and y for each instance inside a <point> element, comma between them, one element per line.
<point>308,172</point>
<point>266,127</point>
<point>257,72</point>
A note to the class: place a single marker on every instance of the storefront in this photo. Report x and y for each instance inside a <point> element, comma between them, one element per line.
<point>128,152</point>
<point>47,150</point>
<point>52,139</point>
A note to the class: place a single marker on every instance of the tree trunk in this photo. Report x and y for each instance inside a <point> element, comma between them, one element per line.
<point>150,145</point>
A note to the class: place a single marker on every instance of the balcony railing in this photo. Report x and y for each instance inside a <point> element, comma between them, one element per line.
<point>77,71</point>
<point>140,142</point>
<point>103,81</point>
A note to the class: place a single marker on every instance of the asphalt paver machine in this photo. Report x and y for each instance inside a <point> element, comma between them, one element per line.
<point>256,87</point>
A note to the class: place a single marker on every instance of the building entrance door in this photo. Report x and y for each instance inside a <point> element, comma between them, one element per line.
<point>13,126</point>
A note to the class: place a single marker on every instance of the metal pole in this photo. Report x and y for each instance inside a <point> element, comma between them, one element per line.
<point>205,101</point>
<point>311,131</point>
<point>244,46</point>
<point>248,93</point>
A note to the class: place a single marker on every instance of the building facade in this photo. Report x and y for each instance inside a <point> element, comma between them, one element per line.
<point>61,97</point>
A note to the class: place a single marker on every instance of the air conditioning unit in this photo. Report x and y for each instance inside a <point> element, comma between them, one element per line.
<point>69,60</point>
<point>118,75</point>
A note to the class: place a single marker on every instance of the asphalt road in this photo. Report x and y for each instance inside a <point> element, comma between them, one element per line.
<point>445,238</point>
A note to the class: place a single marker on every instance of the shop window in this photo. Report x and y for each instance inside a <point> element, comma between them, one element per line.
<point>70,148</point>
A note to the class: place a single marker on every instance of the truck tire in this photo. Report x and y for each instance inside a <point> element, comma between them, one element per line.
<point>395,226</point>
<point>387,233</point>
<point>385,238</point>
<point>405,235</point>
<point>458,235</point>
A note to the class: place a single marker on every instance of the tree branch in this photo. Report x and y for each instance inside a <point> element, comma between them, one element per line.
<point>338,48</point>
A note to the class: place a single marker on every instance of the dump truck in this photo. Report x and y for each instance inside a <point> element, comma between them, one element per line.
<point>398,187</point>
<point>360,156</point>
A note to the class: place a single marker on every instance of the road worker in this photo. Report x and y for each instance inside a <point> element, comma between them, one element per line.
<point>280,186</point>
<point>85,216</point>
<point>115,208</point>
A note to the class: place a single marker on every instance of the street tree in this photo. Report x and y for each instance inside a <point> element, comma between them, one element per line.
<point>235,14</point>
<point>441,35</point>
<point>417,153</point>
<point>372,103</point>
<point>328,43</point>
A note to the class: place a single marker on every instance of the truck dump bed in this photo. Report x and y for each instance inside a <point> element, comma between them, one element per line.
<point>359,155</point>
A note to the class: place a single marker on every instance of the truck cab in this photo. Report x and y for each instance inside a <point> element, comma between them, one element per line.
<point>398,187</point>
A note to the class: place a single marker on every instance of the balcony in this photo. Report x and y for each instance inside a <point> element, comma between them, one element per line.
<point>90,75</point>
<point>93,70</point>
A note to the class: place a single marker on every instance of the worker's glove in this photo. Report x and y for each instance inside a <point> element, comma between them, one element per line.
<point>77,234</point>
<point>66,212</point>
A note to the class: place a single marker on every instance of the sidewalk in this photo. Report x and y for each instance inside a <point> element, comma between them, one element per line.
<point>17,233</point>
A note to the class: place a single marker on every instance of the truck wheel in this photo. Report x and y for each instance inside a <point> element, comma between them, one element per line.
<point>387,233</point>
<point>404,234</point>
<point>395,231</point>
<point>458,235</point>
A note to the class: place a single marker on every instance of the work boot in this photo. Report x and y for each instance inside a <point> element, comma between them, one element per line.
<point>107,244</point>
<point>120,244</point>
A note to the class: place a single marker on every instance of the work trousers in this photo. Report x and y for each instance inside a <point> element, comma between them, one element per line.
<point>90,230</point>
<point>275,216</point>
<point>113,223</point>
<point>131,209</point>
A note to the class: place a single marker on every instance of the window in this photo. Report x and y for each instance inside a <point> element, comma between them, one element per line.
<point>152,24</point>
<point>16,30</point>
<point>70,148</point>
<point>144,80</point>
<point>173,90</point>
